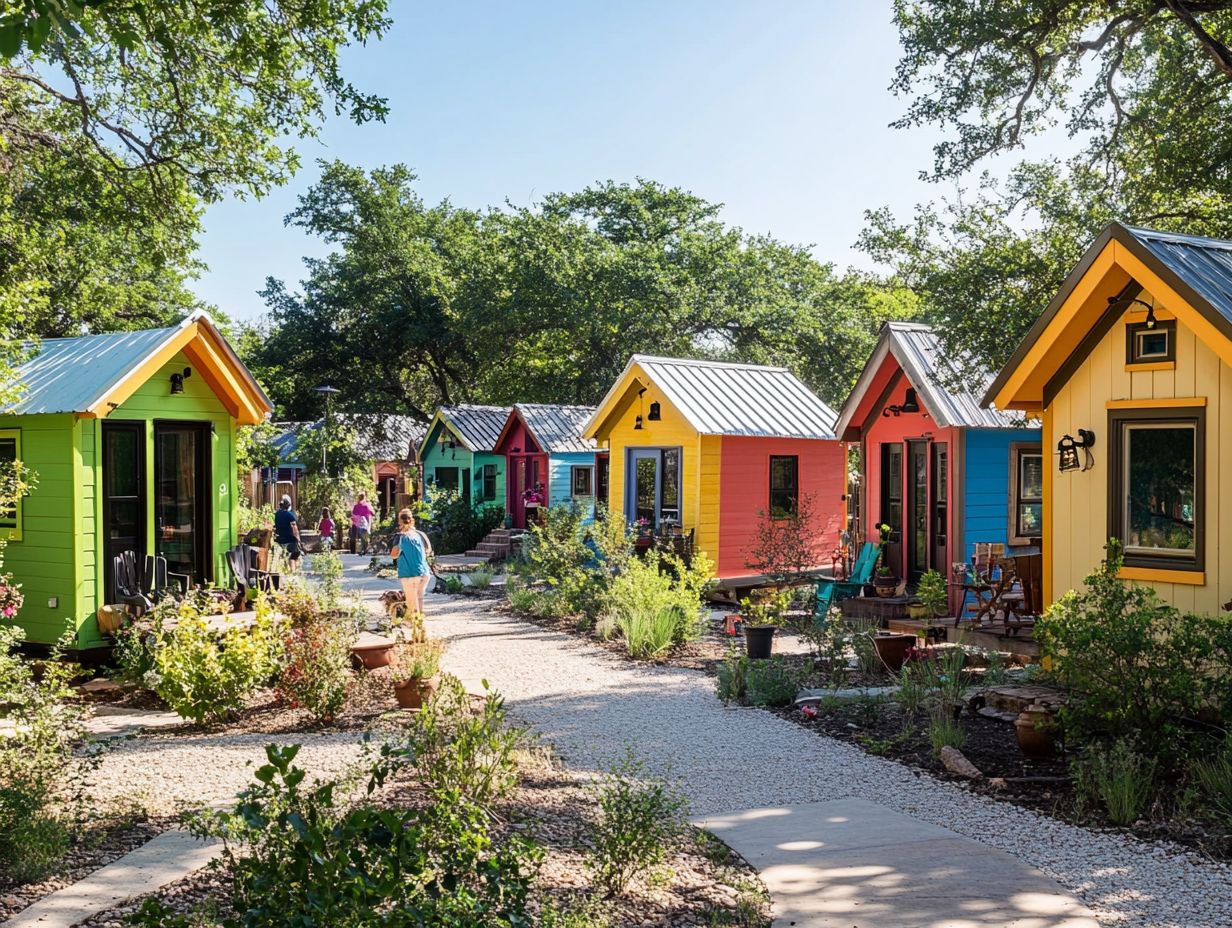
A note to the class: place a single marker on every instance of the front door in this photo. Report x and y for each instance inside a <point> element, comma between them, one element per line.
<point>124,500</point>
<point>939,482</point>
<point>916,537</point>
<point>642,501</point>
<point>182,512</point>
<point>892,502</point>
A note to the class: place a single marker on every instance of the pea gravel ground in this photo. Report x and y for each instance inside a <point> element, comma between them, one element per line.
<point>590,705</point>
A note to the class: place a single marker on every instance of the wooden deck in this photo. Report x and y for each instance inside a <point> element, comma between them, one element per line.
<point>993,638</point>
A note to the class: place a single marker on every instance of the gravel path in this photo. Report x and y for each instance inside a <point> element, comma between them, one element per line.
<point>590,704</point>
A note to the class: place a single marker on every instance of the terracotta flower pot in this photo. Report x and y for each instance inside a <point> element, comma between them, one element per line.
<point>413,693</point>
<point>374,655</point>
<point>1036,731</point>
<point>758,641</point>
<point>892,650</point>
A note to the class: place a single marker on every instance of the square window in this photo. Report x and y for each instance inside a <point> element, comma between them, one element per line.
<point>784,485</point>
<point>1157,486</point>
<point>1149,345</point>
<point>582,481</point>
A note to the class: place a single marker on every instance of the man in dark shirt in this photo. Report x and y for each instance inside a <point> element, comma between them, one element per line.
<point>286,532</point>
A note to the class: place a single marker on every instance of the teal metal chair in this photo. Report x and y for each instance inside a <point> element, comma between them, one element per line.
<point>831,591</point>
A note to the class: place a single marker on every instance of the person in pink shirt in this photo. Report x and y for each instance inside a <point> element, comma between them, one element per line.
<point>361,524</point>
<point>326,529</point>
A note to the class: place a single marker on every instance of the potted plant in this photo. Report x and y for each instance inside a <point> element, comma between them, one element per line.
<point>762,615</point>
<point>414,669</point>
<point>1036,729</point>
<point>885,584</point>
<point>933,595</point>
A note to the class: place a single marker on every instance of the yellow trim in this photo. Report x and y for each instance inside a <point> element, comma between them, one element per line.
<point>221,378</point>
<point>1159,575</point>
<point>1188,402</point>
<point>1049,500</point>
<point>1151,366</point>
<point>14,532</point>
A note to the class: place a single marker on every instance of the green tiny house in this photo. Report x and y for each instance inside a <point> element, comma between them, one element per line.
<point>131,436</point>
<point>458,453</point>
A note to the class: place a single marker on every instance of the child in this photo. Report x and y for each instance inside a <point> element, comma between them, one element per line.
<point>326,529</point>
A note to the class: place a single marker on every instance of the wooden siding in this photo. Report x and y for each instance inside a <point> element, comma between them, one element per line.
<point>1076,503</point>
<point>745,494</point>
<point>987,485</point>
<point>560,481</point>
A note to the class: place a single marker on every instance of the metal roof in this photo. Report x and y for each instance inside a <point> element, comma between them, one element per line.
<point>558,429</point>
<point>720,398</point>
<point>478,426</point>
<point>72,374</point>
<point>1203,263</point>
<point>918,351</point>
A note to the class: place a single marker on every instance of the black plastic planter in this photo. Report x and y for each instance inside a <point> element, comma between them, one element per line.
<point>758,641</point>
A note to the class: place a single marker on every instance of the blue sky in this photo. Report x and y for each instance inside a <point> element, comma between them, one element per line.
<point>779,110</point>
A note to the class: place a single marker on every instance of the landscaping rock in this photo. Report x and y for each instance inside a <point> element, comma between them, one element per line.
<point>101,689</point>
<point>956,762</point>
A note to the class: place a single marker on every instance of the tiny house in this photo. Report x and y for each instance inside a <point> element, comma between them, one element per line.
<point>458,453</point>
<point>132,438</point>
<point>943,472</point>
<point>1130,369</point>
<point>711,448</point>
<point>548,460</point>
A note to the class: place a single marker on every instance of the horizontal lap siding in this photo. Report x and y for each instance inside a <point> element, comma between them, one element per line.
<point>745,494</point>
<point>986,472</point>
<point>44,561</point>
<point>480,460</point>
<point>560,481</point>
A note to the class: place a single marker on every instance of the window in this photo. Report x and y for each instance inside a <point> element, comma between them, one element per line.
<point>1156,486</point>
<point>601,475</point>
<point>487,483</point>
<point>447,479</point>
<point>582,481</point>
<point>784,485</point>
<point>669,486</point>
<point>10,454</point>
<point>1026,493</point>
<point>892,489</point>
<point>1152,345</point>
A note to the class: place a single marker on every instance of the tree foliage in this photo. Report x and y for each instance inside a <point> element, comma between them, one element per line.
<point>426,305</point>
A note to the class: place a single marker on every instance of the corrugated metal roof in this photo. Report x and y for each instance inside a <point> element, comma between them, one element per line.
<point>72,374</point>
<point>558,429</point>
<point>478,426</point>
<point>1203,263</point>
<point>718,398</point>
<point>918,352</point>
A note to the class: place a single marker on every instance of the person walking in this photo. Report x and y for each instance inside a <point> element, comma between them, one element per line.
<point>326,529</point>
<point>361,524</point>
<point>286,533</point>
<point>410,555</point>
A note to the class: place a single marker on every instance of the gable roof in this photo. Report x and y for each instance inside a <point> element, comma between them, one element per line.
<point>477,427</point>
<point>918,352</point>
<point>1187,274</point>
<point>91,375</point>
<point>720,398</point>
<point>556,429</point>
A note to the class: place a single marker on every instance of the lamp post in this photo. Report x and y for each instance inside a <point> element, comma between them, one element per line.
<point>328,392</point>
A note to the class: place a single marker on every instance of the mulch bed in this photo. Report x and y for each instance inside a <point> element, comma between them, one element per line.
<point>701,883</point>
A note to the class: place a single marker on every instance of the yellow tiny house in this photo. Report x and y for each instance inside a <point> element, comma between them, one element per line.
<point>1130,368</point>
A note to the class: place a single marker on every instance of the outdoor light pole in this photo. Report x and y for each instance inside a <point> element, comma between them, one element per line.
<point>328,392</point>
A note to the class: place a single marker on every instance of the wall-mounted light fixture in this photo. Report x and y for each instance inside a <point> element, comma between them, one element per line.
<point>655,412</point>
<point>177,380</point>
<point>1067,449</point>
<point>911,404</point>
<point>637,422</point>
<point>1151,321</point>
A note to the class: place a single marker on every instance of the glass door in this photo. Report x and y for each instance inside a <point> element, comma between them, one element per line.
<point>917,509</point>
<point>940,479</point>
<point>892,502</point>
<point>124,517</point>
<point>644,499</point>
<point>181,509</point>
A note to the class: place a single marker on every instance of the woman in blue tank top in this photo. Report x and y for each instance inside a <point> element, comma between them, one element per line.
<point>411,559</point>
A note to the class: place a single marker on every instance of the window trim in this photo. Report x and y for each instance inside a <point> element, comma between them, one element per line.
<point>1017,450</point>
<point>1186,416</point>
<point>16,531</point>
<point>1134,329</point>
<point>795,499</point>
<point>574,470</point>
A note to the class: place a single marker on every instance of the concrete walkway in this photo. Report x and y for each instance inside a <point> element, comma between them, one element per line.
<point>851,863</point>
<point>162,860</point>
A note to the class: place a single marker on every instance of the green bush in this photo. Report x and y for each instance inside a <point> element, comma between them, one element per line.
<point>1213,775</point>
<point>203,675</point>
<point>1118,778</point>
<point>569,564</point>
<point>297,854</point>
<point>453,584</point>
<point>638,818</point>
<point>455,525</point>
<point>773,682</point>
<point>657,608</point>
<point>480,579</point>
<point>732,675</point>
<point>316,672</point>
<point>944,730</point>
<point>1136,667</point>
<point>327,565</point>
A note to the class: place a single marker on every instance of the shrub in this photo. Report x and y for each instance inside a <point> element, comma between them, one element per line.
<point>773,682</point>
<point>638,817</point>
<point>573,563</point>
<point>732,675</point>
<point>1137,668</point>
<point>656,609</point>
<point>1213,775</point>
<point>203,675</point>
<point>453,584</point>
<point>944,730</point>
<point>327,565</point>
<point>911,691</point>
<point>456,525</point>
<point>480,579</point>
<point>1118,778</point>
<point>521,599</point>
<point>787,545</point>
<point>316,673</point>
<point>298,855</point>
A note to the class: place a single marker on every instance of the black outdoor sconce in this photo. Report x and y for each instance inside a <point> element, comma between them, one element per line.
<point>1068,447</point>
<point>177,381</point>
<point>911,404</point>
<point>1150,310</point>
<point>637,422</point>
<point>655,412</point>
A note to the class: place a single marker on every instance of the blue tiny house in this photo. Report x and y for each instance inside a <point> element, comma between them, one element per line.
<point>549,462</point>
<point>940,470</point>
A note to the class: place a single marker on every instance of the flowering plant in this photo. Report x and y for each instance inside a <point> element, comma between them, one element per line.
<point>884,531</point>
<point>11,597</point>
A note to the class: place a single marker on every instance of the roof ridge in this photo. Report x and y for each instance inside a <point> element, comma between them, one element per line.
<point>700,362</point>
<point>1183,238</point>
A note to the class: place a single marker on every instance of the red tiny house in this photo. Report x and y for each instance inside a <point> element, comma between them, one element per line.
<point>527,467</point>
<point>745,491</point>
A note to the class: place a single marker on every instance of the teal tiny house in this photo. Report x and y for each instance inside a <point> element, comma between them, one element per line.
<point>458,453</point>
<point>549,461</point>
<point>131,437</point>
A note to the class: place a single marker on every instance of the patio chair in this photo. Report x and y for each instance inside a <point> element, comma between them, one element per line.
<point>157,581</point>
<point>242,560</point>
<point>830,592</point>
<point>127,583</point>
